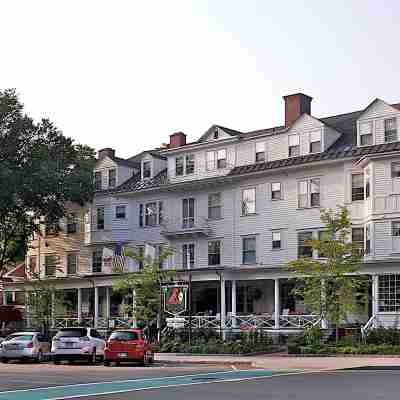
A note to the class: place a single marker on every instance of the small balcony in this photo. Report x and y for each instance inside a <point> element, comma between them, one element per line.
<point>185,228</point>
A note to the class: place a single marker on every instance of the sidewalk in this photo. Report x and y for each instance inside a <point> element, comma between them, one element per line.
<point>284,363</point>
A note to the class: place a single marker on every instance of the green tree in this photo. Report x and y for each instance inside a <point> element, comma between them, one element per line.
<point>144,286</point>
<point>332,285</point>
<point>41,170</point>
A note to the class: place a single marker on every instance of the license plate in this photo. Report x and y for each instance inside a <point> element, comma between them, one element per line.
<point>122,355</point>
<point>69,345</point>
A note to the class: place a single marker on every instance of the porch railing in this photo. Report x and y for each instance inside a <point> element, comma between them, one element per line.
<point>299,321</point>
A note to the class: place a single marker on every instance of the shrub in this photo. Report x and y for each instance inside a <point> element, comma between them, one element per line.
<point>383,336</point>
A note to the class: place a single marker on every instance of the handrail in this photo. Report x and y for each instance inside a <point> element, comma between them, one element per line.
<point>367,326</point>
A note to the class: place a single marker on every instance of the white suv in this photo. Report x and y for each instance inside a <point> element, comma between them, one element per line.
<point>77,344</point>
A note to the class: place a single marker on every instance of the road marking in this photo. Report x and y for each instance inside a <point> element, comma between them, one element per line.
<point>106,388</point>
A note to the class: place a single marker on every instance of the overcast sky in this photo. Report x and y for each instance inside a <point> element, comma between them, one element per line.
<point>126,74</point>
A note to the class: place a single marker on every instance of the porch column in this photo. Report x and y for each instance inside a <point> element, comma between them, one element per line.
<point>223,306</point>
<point>53,303</point>
<point>27,310</point>
<point>277,312</point>
<point>134,320</point>
<point>96,306</point>
<point>4,297</point>
<point>324,321</point>
<point>233,296</point>
<point>375,281</point>
<point>79,305</point>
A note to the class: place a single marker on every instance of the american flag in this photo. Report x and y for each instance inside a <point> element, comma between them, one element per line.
<point>119,259</point>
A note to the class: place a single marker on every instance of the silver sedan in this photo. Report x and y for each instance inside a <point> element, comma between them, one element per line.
<point>24,346</point>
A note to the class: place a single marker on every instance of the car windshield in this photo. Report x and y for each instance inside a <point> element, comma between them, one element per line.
<point>124,336</point>
<point>76,332</point>
<point>19,337</point>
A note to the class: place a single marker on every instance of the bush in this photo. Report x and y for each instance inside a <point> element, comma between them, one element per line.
<point>379,336</point>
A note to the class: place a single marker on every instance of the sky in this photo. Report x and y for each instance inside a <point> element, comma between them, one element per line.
<point>127,74</point>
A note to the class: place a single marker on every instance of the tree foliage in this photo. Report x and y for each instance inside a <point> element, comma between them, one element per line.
<point>41,170</point>
<point>331,285</point>
<point>144,285</point>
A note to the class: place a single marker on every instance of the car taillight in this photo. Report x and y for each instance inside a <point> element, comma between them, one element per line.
<point>29,345</point>
<point>84,339</point>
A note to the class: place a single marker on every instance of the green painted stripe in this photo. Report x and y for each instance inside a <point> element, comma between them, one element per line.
<point>68,391</point>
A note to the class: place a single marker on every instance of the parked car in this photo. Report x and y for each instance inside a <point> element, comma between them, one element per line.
<point>128,345</point>
<point>77,344</point>
<point>24,346</point>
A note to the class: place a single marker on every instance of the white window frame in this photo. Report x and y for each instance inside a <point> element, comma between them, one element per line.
<point>276,237</point>
<point>143,213</point>
<point>297,137</point>
<point>370,132</point>
<point>185,163</point>
<point>308,193</point>
<point>312,140</point>
<point>254,207</point>
<point>147,162</point>
<point>215,206</point>
<point>357,189</point>
<point>218,244</point>
<point>71,254</point>
<point>396,130</point>
<point>244,238</point>
<point>186,255</point>
<point>188,221</point>
<point>213,158</point>
<point>393,166</point>
<point>261,149</point>
<point>98,183</point>
<point>273,191</point>
<point>109,178</point>
<point>117,215</point>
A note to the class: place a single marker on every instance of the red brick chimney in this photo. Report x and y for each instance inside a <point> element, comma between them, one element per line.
<point>296,105</point>
<point>177,139</point>
<point>107,152</point>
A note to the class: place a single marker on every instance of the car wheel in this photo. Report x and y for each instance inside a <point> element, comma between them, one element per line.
<point>4,360</point>
<point>93,358</point>
<point>106,363</point>
<point>56,361</point>
<point>117,363</point>
<point>39,357</point>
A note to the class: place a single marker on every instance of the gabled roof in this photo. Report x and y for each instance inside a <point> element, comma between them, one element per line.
<point>228,131</point>
<point>123,162</point>
<point>395,106</point>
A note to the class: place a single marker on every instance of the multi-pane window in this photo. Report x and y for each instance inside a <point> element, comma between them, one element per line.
<point>216,159</point>
<point>147,169</point>
<point>214,252</point>
<point>396,228</point>
<point>151,214</point>
<point>120,212</point>
<point>390,130</point>
<point>221,159</point>
<point>188,256</point>
<point>395,170</point>
<point>72,263</point>
<point>315,142</point>
<point>249,250</point>
<point>389,293</point>
<point>357,238</point>
<point>357,187</point>
<point>33,264</point>
<point>112,178</point>
<point>214,206</point>
<point>276,240</point>
<point>100,218</point>
<point>97,261</point>
<point>179,166</point>
<point>248,201</point>
<point>97,180</point>
<point>366,138</point>
<point>304,248</point>
<point>190,164</point>
<point>276,191</point>
<point>294,145</point>
<point>260,152</point>
<point>72,223</point>
<point>188,213</point>
<point>50,264</point>
<point>309,193</point>
<point>367,239</point>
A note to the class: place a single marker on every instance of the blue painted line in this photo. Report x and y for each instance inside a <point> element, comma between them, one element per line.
<point>103,388</point>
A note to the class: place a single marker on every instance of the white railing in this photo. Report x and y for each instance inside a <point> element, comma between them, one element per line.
<point>299,321</point>
<point>382,320</point>
<point>70,322</point>
<point>251,322</point>
<point>367,326</point>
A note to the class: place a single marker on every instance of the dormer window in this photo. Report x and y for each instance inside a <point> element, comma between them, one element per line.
<point>315,142</point>
<point>221,158</point>
<point>216,134</point>
<point>294,145</point>
<point>390,130</point>
<point>216,159</point>
<point>184,165</point>
<point>112,178</point>
<point>366,138</point>
<point>147,169</point>
<point>260,152</point>
<point>97,180</point>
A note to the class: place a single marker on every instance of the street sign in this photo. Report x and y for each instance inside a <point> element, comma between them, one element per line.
<point>175,299</point>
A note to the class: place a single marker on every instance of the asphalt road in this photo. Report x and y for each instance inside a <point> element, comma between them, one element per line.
<point>352,385</point>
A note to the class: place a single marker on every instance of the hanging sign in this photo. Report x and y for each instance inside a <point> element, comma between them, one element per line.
<point>175,299</point>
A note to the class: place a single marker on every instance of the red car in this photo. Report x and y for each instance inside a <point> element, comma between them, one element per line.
<point>128,345</point>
